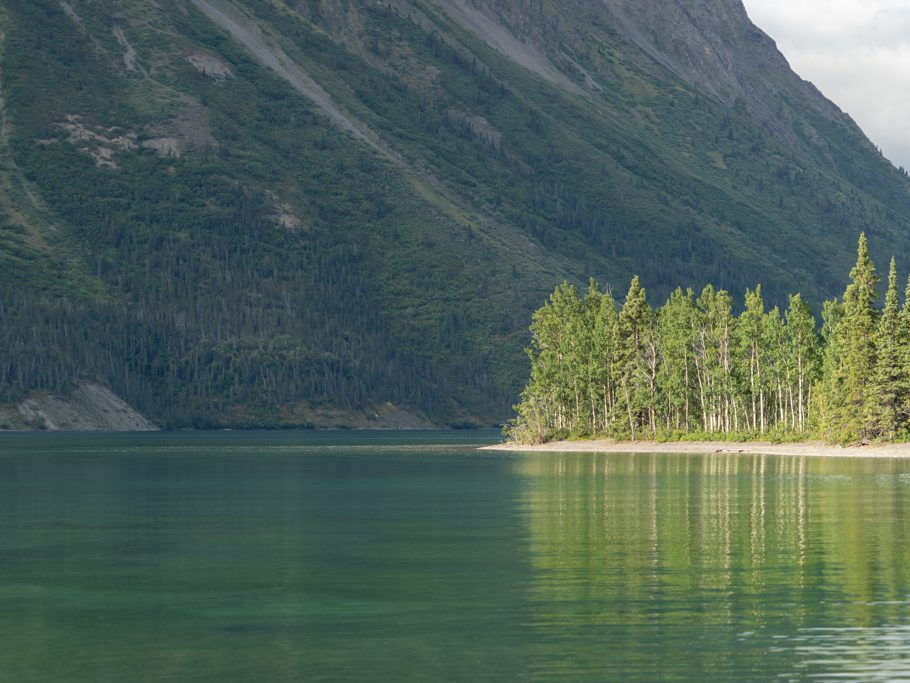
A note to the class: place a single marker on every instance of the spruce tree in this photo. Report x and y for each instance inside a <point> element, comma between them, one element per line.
<point>889,387</point>
<point>903,405</point>
<point>853,407</point>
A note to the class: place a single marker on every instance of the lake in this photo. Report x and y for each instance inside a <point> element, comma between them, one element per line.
<point>412,556</point>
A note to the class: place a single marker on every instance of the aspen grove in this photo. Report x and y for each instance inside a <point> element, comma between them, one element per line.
<point>693,369</point>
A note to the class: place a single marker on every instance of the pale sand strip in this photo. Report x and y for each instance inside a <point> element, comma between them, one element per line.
<point>807,448</point>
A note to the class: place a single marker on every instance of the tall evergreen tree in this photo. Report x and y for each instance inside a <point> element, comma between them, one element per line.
<point>904,336</point>
<point>853,371</point>
<point>889,389</point>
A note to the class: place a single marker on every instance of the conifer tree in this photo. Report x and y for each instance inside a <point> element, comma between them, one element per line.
<point>854,367</point>
<point>888,391</point>
<point>903,407</point>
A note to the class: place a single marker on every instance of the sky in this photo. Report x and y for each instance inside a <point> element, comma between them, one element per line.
<point>857,52</point>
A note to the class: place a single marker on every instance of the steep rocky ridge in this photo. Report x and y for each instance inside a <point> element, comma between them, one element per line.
<point>712,46</point>
<point>716,48</point>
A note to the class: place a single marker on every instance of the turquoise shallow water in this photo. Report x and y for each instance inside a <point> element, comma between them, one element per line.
<point>306,556</point>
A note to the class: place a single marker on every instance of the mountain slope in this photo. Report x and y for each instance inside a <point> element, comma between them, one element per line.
<point>258,212</point>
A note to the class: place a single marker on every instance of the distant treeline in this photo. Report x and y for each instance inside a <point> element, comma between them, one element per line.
<point>693,368</point>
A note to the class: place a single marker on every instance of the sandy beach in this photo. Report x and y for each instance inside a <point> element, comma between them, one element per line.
<point>806,448</point>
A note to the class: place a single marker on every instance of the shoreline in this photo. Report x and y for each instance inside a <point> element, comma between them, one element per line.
<point>817,449</point>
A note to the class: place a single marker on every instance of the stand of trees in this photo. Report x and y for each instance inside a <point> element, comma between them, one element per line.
<point>693,368</point>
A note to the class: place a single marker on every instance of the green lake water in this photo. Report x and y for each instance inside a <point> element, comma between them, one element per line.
<point>306,556</point>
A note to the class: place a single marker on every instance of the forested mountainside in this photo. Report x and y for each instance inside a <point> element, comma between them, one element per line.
<point>269,212</point>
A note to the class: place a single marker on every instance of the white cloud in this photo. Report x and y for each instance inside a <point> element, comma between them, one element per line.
<point>857,52</point>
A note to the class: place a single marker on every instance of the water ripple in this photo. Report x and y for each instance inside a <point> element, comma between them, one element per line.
<point>873,654</point>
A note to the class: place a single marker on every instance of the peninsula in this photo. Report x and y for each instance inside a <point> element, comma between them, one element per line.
<point>693,371</point>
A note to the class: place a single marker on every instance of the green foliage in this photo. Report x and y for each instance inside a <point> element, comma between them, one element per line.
<point>636,362</point>
<point>851,404</point>
<point>888,394</point>
<point>699,372</point>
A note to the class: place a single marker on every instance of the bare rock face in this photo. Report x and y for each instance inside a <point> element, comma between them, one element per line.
<point>713,45</point>
<point>701,42</point>
<point>211,66</point>
<point>90,407</point>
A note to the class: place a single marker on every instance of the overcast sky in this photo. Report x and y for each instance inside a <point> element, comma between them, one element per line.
<point>857,52</point>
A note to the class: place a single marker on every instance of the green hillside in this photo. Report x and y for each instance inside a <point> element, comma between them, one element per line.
<point>269,212</point>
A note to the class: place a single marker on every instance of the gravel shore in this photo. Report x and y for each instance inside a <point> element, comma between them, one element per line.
<point>806,448</point>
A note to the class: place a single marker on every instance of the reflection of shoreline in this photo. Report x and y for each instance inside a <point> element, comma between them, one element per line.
<point>718,559</point>
<point>805,448</point>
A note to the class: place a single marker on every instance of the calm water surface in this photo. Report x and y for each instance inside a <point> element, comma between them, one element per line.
<point>413,557</point>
